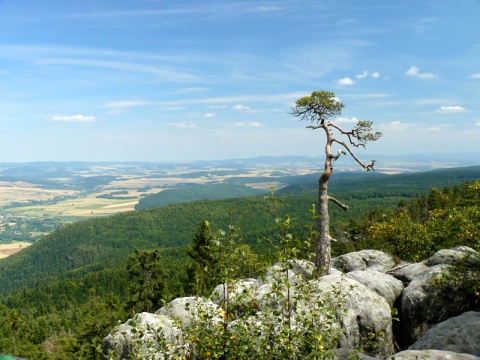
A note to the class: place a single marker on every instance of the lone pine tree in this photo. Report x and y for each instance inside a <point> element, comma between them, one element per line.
<point>317,109</point>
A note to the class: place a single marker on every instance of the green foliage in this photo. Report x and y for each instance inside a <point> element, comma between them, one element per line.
<point>146,276</point>
<point>417,229</point>
<point>195,193</point>
<point>317,107</point>
<point>202,266</point>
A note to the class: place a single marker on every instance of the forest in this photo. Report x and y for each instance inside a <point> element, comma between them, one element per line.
<point>62,295</point>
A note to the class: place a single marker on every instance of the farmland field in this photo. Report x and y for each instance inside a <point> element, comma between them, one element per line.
<point>9,249</point>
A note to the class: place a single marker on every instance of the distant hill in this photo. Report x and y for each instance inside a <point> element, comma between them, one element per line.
<point>368,184</point>
<point>195,193</point>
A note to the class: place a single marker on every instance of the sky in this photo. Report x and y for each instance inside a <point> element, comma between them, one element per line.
<point>186,80</point>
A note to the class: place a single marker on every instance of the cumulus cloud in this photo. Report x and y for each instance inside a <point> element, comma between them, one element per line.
<point>208,115</point>
<point>477,123</point>
<point>346,81</point>
<point>362,75</point>
<point>475,76</point>
<point>376,75</point>
<point>241,107</point>
<point>452,109</point>
<point>74,118</point>
<point>415,72</point>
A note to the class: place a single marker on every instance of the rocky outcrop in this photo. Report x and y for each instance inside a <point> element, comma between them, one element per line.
<point>371,285</point>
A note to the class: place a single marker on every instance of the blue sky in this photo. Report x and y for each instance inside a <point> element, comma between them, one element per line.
<point>185,80</point>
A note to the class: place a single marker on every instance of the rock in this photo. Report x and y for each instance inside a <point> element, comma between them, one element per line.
<point>370,260</point>
<point>298,270</point>
<point>131,338</point>
<point>407,272</point>
<point>236,290</point>
<point>384,285</point>
<point>460,334</point>
<point>362,312</point>
<point>425,303</point>
<point>346,354</point>
<point>186,309</point>
<point>431,355</point>
<point>460,255</point>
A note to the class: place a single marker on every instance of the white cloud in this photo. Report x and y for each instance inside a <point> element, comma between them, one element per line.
<point>251,124</point>
<point>241,107</point>
<point>452,109</point>
<point>475,76</point>
<point>362,75</point>
<point>208,115</point>
<point>477,122</point>
<point>127,103</point>
<point>183,125</point>
<point>74,118</point>
<point>414,71</point>
<point>376,75</point>
<point>217,106</point>
<point>346,120</point>
<point>346,81</point>
<point>397,125</point>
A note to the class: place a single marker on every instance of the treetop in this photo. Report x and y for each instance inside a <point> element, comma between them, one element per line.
<point>319,106</point>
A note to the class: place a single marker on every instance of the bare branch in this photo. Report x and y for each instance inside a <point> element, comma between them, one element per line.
<point>367,167</point>
<point>335,157</point>
<point>342,205</point>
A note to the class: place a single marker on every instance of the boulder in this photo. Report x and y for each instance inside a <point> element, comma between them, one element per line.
<point>460,255</point>
<point>146,336</point>
<point>186,309</point>
<point>431,355</point>
<point>361,311</point>
<point>407,272</point>
<point>298,270</point>
<point>370,260</point>
<point>425,302</point>
<point>384,285</point>
<point>460,334</point>
<point>239,288</point>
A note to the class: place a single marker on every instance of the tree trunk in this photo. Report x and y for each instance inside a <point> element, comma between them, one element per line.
<point>323,256</point>
<point>322,260</point>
